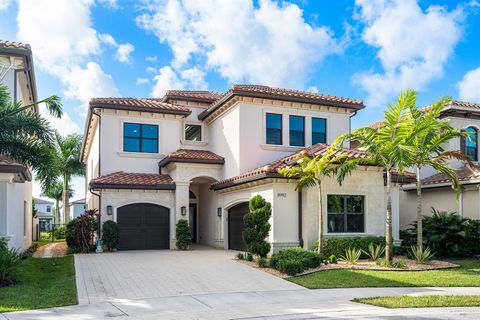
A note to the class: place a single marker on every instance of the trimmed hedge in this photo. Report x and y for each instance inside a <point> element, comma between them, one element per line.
<point>338,245</point>
<point>294,260</point>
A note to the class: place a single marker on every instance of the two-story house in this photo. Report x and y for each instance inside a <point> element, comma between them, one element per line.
<point>200,156</point>
<point>17,74</point>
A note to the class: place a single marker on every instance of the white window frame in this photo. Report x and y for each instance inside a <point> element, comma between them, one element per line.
<point>203,133</point>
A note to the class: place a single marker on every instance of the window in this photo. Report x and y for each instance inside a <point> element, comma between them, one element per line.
<point>319,130</point>
<point>140,137</point>
<point>297,131</point>
<point>471,143</point>
<point>345,213</point>
<point>274,128</point>
<point>49,209</point>
<point>193,132</point>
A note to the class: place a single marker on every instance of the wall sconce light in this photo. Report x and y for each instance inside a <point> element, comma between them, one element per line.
<point>219,211</point>
<point>183,211</point>
<point>109,210</point>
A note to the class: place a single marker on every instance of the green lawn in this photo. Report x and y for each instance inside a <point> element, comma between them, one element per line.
<point>422,301</point>
<point>466,276</point>
<point>43,283</point>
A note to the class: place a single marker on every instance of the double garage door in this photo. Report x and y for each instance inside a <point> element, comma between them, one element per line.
<point>143,226</point>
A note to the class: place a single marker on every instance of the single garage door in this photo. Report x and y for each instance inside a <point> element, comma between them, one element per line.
<point>143,226</point>
<point>236,226</point>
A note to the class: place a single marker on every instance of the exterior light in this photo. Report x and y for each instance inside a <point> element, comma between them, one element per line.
<point>219,211</point>
<point>109,210</point>
<point>183,211</point>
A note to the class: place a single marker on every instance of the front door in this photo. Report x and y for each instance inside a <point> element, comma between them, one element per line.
<point>193,221</point>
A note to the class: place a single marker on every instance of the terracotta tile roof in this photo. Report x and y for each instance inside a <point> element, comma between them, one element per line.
<point>192,156</point>
<point>140,104</point>
<point>267,92</point>
<point>464,173</point>
<point>9,166</point>
<point>126,180</point>
<point>14,45</point>
<point>195,95</point>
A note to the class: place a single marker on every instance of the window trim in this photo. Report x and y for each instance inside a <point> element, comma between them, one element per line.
<point>475,130</point>
<point>202,133</point>
<point>312,132</point>
<point>281,129</point>
<point>346,233</point>
<point>290,116</point>
<point>141,124</point>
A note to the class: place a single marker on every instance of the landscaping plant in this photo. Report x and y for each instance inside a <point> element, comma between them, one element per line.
<point>333,259</point>
<point>351,255</point>
<point>110,235</point>
<point>80,232</point>
<point>249,256</point>
<point>391,264</point>
<point>294,260</point>
<point>374,252</point>
<point>10,261</point>
<point>184,238</point>
<point>421,255</point>
<point>257,226</point>
<point>240,256</point>
<point>338,245</point>
<point>262,262</point>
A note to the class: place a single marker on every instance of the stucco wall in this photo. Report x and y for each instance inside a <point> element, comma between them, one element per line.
<point>209,224</point>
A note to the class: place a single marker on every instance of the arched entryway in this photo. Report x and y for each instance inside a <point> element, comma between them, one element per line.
<point>236,226</point>
<point>143,226</point>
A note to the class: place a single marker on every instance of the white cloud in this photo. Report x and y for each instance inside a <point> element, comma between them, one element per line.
<point>195,77</point>
<point>141,81</point>
<point>65,125</point>
<point>108,39</point>
<point>271,44</point>
<point>413,45</point>
<point>112,4</point>
<point>151,58</point>
<point>166,79</point>
<point>151,70</point>
<point>123,52</point>
<point>4,4</point>
<point>469,86</point>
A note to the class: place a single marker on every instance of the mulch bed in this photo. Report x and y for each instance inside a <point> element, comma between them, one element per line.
<point>411,265</point>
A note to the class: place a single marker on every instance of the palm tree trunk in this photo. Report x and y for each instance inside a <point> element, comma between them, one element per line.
<point>419,212</point>
<point>388,221</point>
<point>320,219</point>
<point>65,199</point>
<point>57,211</point>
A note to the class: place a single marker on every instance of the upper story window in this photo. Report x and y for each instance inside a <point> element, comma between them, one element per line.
<point>346,213</point>
<point>319,130</point>
<point>193,132</point>
<point>49,208</point>
<point>274,128</point>
<point>471,143</point>
<point>139,137</point>
<point>297,131</point>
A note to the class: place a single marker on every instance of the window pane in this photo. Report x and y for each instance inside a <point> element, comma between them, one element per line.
<point>149,131</point>
<point>193,132</point>
<point>319,130</point>
<point>150,145</point>
<point>131,145</point>
<point>336,223</point>
<point>297,131</point>
<point>471,142</point>
<point>274,128</point>
<point>334,204</point>
<point>354,204</point>
<point>131,130</point>
<point>355,223</point>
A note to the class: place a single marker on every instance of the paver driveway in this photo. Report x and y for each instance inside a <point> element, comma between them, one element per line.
<point>162,273</point>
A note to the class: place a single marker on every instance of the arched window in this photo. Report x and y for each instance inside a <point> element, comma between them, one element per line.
<point>471,143</point>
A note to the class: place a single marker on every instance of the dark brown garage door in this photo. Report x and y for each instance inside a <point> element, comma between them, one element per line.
<point>236,226</point>
<point>143,226</point>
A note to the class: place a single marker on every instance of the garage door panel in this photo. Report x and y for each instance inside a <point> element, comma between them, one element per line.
<point>236,226</point>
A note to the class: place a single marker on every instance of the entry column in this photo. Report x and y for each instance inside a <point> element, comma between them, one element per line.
<point>182,202</point>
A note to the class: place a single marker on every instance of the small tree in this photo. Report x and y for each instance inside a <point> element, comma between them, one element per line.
<point>184,238</point>
<point>110,235</point>
<point>257,226</point>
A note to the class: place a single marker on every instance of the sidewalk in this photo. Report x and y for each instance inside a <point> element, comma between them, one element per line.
<point>285,304</point>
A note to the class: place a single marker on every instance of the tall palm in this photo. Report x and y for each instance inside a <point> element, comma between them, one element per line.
<point>55,192</point>
<point>311,172</point>
<point>387,147</point>
<point>26,137</point>
<point>429,135</point>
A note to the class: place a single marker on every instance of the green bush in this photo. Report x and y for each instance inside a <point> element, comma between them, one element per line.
<point>262,262</point>
<point>110,235</point>
<point>288,260</point>
<point>184,238</point>
<point>257,226</point>
<point>59,233</point>
<point>10,261</point>
<point>401,251</point>
<point>446,234</point>
<point>338,245</point>
<point>240,256</point>
<point>351,255</point>
<point>391,264</point>
<point>249,256</point>
<point>80,232</point>
<point>333,259</point>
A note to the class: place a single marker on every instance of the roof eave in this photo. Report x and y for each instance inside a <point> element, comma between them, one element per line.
<point>99,186</point>
<point>141,109</point>
<point>165,161</point>
<point>248,179</point>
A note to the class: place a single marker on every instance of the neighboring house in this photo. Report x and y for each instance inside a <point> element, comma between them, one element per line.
<point>45,214</point>
<point>201,155</point>
<point>77,208</point>
<point>437,189</point>
<point>16,72</point>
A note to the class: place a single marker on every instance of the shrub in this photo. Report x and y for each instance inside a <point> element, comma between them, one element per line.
<point>249,256</point>
<point>10,261</point>
<point>110,234</point>
<point>184,238</point>
<point>448,234</point>
<point>240,256</point>
<point>351,255</point>
<point>333,259</point>
<point>3,244</point>
<point>374,252</point>
<point>29,252</point>
<point>338,245</point>
<point>291,259</point>
<point>262,262</point>
<point>391,264</point>
<point>59,233</point>
<point>80,232</point>
<point>421,255</point>
<point>257,226</point>
<point>401,250</point>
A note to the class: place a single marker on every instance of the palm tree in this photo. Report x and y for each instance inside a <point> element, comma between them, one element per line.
<point>26,137</point>
<point>55,192</point>
<point>388,147</point>
<point>311,172</point>
<point>429,135</point>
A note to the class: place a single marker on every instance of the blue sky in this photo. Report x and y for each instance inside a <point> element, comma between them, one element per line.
<point>366,49</point>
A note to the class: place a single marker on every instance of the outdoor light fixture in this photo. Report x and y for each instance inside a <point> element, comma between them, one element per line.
<point>219,211</point>
<point>109,210</point>
<point>183,211</point>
